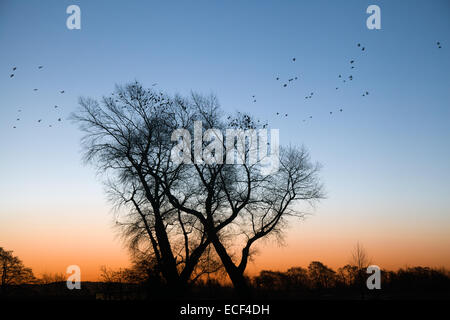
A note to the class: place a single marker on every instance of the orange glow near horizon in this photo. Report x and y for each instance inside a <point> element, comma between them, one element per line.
<point>50,248</point>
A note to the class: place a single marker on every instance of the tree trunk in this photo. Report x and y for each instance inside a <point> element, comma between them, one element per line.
<point>240,283</point>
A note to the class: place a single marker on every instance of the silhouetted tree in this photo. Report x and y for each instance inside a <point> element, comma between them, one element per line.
<point>320,275</point>
<point>347,275</point>
<point>238,204</point>
<point>127,137</point>
<point>298,278</point>
<point>48,278</point>
<point>13,272</point>
<point>360,261</point>
<point>179,209</point>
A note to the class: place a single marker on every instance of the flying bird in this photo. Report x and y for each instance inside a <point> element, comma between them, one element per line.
<point>359,44</point>
<point>39,120</point>
<point>351,61</point>
<point>11,75</point>
<point>59,119</point>
<point>277,78</point>
<point>35,89</point>
<point>363,49</point>
<point>40,67</point>
<point>14,68</point>
<point>293,59</point>
<point>285,85</point>
<point>340,110</point>
<point>62,91</point>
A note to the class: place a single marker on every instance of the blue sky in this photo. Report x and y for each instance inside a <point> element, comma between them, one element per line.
<point>386,155</point>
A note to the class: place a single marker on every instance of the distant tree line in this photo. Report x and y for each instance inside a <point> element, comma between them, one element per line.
<point>142,281</point>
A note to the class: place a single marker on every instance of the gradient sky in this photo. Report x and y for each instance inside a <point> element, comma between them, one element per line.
<point>385,157</point>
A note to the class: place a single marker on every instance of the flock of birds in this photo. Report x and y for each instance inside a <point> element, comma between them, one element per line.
<point>277,78</point>
<point>19,111</point>
<point>310,95</point>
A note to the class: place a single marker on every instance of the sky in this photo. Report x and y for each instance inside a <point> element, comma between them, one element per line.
<point>385,157</point>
